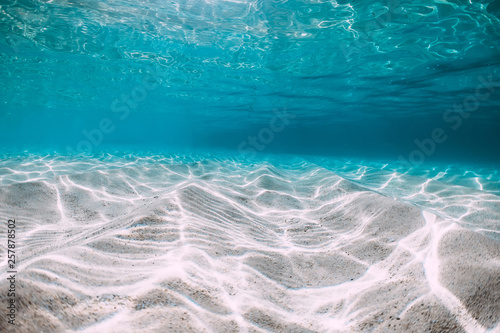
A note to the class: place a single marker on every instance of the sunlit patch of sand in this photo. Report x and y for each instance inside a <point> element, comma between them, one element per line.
<point>192,244</point>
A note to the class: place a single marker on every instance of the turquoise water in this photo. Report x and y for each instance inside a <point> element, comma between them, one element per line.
<point>250,165</point>
<point>410,82</point>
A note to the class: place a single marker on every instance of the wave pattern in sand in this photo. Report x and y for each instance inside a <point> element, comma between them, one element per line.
<point>222,245</point>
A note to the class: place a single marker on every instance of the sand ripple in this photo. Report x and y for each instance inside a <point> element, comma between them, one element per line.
<point>212,244</point>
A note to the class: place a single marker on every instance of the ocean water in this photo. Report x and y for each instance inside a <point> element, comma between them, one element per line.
<point>362,78</point>
<point>250,166</point>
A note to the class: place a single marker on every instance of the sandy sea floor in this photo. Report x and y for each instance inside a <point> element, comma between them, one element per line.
<point>218,244</point>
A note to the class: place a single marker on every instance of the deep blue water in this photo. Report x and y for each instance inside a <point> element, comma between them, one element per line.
<point>408,81</point>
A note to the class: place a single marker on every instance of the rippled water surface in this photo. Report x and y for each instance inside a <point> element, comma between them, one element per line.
<point>355,76</point>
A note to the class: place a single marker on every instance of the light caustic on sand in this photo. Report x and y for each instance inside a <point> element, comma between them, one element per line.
<point>221,245</point>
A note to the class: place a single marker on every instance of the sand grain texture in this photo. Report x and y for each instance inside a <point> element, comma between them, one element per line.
<point>221,245</point>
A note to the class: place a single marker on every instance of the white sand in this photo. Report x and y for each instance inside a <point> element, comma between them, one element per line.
<point>175,245</point>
